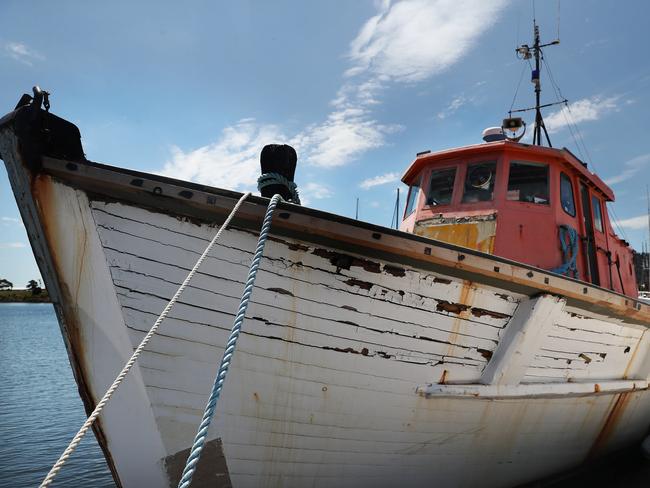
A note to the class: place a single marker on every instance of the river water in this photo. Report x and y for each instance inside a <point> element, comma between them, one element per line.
<point>40,409</point>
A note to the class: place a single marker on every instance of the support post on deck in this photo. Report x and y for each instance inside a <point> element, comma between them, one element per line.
<point>521,339</point>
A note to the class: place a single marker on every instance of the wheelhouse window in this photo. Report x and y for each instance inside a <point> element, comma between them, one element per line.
<point>598,216</point>
<point>479,182</point>
<point>412,199</point>
<point>528,182</point>
<point>441,187</point>
<point>566,195</point>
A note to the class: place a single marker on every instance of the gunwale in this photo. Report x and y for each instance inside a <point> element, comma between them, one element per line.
<point>210,204</point>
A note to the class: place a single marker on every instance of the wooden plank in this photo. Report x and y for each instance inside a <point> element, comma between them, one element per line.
<point>521,340</point>
<point>186,236</point>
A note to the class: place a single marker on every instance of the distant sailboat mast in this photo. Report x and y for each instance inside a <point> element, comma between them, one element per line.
<point>647,249</point>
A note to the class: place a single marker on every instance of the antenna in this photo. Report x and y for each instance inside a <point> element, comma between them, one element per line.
<point>527,52</point>
<point>356,214</point>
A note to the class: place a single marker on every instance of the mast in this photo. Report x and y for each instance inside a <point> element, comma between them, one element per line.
<point>527,52</point>
<point>647,248</point>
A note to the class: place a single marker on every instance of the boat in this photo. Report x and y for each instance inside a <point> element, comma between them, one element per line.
<point>495,339</point>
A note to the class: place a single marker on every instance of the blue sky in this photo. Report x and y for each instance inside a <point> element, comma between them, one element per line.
<point>195,89</point>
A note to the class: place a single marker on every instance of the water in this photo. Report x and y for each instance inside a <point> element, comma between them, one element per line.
<point>40,409</point>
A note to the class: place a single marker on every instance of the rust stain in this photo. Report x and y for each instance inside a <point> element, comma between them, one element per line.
<point>614,415</point>
<point>443,377</point>
<point>461,308</point>
<point>631,360</point>
<point>43,193</point>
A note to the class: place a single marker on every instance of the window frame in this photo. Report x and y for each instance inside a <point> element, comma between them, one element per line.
<point>596,206</point>
<point>456,168</point>
<point>573,195</point>
<point>549,186</point>
<point>462,179</point>
<point>418,183</point>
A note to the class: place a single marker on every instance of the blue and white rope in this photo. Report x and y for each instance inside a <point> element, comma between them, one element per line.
<point>268,179</point>
<point>129,364</point>
<point>569,252</point>
<point>220,378</point>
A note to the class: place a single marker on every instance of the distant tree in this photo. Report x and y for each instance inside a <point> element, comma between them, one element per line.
<point>6,284</point>
<point>34,288</point>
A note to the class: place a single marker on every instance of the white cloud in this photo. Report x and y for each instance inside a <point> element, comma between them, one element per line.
<point>379,180</point>
<point>314,191</point>
<point>12,245</point>
<point>585,110</point>
<point>635,223</point>
<point>342,138</point>
<point>11,221</point>
<point>20,52</point>
<point>412,40</point>
<point>408,41</point>
<point>453,106</point>
<point>230,162</point>
<point>631,167</point>
<point>317,190</point>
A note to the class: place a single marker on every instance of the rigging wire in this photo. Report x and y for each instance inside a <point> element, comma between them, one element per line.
<point>618,226</point>
<point>579,140</point>
<point>534,16</point>
<point>558,20</point>
<point>565,113</point>
<point>521,77</point>
<point>568,114</point>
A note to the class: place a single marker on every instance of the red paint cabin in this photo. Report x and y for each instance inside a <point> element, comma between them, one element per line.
<point>532,204</point>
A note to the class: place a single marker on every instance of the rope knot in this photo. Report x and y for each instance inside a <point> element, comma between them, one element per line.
<point>268,179</point>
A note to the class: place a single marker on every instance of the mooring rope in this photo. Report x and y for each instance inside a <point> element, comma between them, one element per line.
<point>220,378</point>
<point>569,252</point>
<point>100,406</point>
<point>268,179</point>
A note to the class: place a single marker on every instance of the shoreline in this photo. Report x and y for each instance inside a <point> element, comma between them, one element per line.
<point>23,296</point>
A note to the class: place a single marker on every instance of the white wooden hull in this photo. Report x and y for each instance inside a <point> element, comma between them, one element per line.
<point>351,370</point>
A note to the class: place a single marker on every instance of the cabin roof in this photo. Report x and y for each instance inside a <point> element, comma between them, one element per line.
<point>514,148</point>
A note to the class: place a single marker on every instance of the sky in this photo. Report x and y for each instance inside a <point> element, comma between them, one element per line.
<point>195,89</point>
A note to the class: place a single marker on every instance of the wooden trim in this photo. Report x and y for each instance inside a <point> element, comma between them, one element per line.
<point>533,390</point>
<point>212,204</point>
<point>521,340</point>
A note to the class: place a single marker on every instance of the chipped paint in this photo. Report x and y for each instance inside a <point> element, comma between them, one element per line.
<point>475,232</point>
<point>332,354</point>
